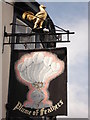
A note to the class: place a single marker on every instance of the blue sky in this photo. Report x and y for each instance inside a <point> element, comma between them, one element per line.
<point>74,16</point>
<point>69,12</point>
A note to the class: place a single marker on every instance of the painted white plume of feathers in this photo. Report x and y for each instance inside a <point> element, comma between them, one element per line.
<point>39,67</point>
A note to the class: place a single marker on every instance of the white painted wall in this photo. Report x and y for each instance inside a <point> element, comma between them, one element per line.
<point>0,60</point>
<point>6,13</point>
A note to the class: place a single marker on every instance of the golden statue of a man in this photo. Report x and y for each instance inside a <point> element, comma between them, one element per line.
<point>38,19</point>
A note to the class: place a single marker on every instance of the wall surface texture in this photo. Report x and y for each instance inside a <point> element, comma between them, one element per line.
<point>0,59</point>
<point>7,17</point>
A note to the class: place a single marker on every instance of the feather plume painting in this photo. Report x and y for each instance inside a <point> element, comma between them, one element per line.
<point>36,70</point>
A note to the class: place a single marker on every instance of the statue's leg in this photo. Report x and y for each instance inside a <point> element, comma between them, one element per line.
<point>36,23</point>
<point>41,23</point>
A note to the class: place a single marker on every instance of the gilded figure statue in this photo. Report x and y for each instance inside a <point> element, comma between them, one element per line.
<point>38,19</point>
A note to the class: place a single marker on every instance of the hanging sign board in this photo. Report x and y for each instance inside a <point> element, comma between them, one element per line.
<point>38,83</point>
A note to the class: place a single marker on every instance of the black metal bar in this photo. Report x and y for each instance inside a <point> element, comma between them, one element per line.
<point>31,34</point>
<point>19,25</point>
<point>29,26</point>
<point>60,28</point>
<point>3,39</point>
<point>67,35</point>
<point>37,42</point>
<point>9,39</point>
